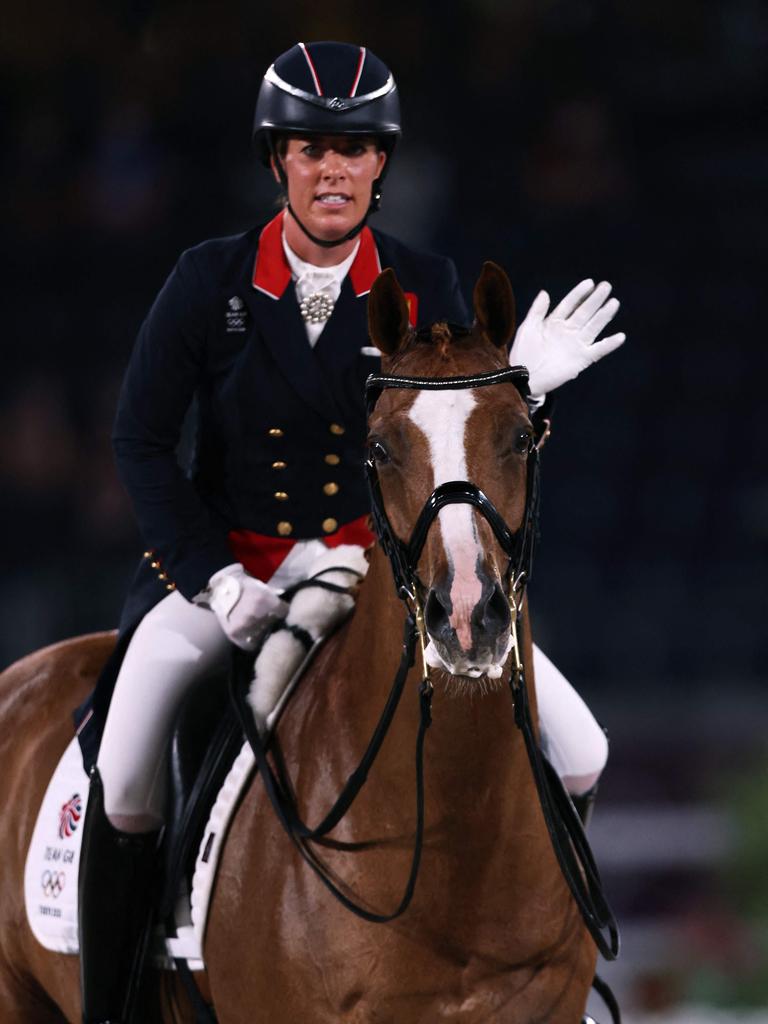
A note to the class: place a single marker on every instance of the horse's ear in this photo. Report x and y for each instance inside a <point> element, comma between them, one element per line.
<point>387,313</point>
<point>495,304</point>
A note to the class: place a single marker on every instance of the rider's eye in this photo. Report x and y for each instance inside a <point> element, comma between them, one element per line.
<point>379,452</point>
<point>522,441</point>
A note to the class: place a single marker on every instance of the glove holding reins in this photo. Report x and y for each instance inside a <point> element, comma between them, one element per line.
<point>244,606</point>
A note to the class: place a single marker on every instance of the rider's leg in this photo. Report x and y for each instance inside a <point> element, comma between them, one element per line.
<point>174,645</point>
<point>575,743</point>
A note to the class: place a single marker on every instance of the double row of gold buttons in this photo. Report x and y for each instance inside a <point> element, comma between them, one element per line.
<point>285,528</point>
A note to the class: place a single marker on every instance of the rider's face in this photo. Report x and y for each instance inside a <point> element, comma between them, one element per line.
<point>329,181</point>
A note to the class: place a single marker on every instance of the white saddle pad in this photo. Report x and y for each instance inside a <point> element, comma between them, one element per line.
<point>50,875</point>
<point>53,862</point>
<point>53,858</point>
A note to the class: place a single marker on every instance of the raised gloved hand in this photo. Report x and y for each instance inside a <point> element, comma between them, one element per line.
<point>244,606</point>
<point>558,346</point>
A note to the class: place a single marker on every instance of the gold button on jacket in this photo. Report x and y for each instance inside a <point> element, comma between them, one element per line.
<point>330,488</point>
<point>281,496</point>
<point>279,464</point>
<point>275,432</point>
<point>336,428</point>
<point>284,528</point>
<point>332,460</point>
<point>329,525</point>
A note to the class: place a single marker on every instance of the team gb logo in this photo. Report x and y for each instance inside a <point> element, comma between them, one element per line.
<point>69,815</point>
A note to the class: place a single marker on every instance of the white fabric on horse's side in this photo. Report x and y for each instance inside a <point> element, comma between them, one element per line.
<point>53,864</point>
<point>53,858</point>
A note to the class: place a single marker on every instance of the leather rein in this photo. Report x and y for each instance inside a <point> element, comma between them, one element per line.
<point>569,842</point>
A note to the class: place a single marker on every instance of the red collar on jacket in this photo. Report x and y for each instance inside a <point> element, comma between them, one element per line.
<point>271,272</point>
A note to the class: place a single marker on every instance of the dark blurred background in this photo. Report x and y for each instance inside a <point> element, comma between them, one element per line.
<point>563,139</point>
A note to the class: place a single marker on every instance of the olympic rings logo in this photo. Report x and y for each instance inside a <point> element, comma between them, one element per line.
<point>53,883</point>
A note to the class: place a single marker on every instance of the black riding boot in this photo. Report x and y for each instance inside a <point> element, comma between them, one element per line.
<point>115,896</point>
<point>585,804</point>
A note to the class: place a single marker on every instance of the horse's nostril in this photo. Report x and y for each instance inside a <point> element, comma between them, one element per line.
<point>495,616</point>
<point>436,613</point>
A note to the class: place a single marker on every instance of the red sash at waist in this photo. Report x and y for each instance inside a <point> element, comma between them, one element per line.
<point>262,555</point>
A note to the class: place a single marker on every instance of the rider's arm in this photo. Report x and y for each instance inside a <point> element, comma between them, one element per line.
<point>165,368</point>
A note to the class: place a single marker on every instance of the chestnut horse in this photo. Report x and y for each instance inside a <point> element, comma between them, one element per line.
<point>492,933</point>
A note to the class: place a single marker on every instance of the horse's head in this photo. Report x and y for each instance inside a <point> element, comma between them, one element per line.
<point>420,439</point>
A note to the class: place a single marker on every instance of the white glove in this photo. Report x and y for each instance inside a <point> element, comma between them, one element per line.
<point>556,348</point>
<point>244,606</point>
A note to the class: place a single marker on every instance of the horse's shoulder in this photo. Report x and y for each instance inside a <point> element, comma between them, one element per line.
<point>322,664</point>
<point>84,655</point>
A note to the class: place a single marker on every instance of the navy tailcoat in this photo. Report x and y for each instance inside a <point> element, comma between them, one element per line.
<point>225,337</point>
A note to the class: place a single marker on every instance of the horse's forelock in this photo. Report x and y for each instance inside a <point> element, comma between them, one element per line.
<point>441,338</point>
<point>440,346</point>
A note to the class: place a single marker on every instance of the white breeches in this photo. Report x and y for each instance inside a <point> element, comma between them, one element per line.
<point>570,735</point>
<point>175,644</point>
<point>178,642</point>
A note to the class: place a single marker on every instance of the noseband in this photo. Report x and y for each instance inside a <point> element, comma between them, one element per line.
<point>404,555</point>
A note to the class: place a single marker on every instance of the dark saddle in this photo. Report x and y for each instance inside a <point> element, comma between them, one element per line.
<point>206,739</point>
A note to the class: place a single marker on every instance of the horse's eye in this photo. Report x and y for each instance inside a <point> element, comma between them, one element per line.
<point>522,441</point>
<point>379,452</point>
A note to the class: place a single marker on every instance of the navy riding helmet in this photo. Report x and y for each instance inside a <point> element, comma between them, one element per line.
<point>327,89</point>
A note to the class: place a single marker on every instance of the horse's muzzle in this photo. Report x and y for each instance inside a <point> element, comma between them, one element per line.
<point>489,628</point>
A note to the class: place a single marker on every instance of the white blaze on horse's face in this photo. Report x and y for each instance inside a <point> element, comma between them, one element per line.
<point>442,417</point>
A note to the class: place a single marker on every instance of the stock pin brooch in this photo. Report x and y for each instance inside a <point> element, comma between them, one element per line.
<point>316,308</point>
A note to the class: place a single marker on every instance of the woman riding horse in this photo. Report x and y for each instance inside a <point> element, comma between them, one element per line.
<point>267,332</point>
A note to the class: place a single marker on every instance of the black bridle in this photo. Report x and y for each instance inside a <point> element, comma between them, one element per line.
<point>569,842</point>
<point>404,556</point>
